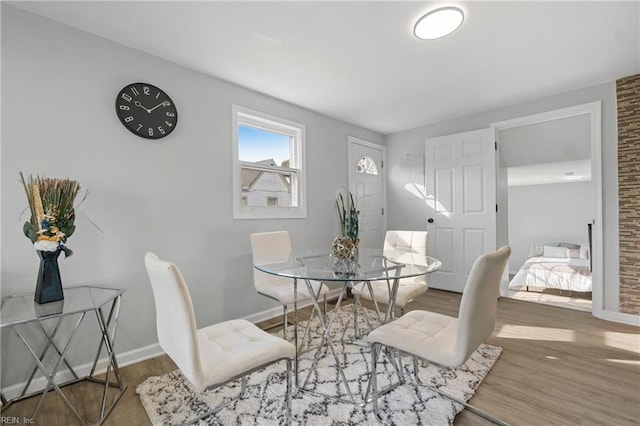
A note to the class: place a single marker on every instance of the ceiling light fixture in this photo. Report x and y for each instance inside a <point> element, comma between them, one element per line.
<point>438,23</point>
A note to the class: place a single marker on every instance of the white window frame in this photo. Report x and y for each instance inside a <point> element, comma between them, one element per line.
<point>252,118</point>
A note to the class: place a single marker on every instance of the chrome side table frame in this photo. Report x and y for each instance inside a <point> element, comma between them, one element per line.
<point>108,328</point>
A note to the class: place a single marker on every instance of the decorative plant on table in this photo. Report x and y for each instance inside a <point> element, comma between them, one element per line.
<point>52,222</point>
<point>344,247</point>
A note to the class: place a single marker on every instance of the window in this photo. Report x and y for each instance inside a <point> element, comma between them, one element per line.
<point>367,166</point>
<point>268,173</point>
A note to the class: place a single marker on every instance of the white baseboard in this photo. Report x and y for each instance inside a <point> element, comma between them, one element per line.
<point>130,357</point>
<point>124,359</point>
<point>621,317</point>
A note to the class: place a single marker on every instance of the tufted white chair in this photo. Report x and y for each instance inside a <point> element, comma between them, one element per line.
<point>441,339</point>
<point>275,247</point>
<point>397,245</point>
<point>215,355</point>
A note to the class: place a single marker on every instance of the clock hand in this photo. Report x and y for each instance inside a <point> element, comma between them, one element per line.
<point>139,104</point>
<point>165,103</point>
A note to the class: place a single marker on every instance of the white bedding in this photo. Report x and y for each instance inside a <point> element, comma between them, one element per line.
<point>553,272</point>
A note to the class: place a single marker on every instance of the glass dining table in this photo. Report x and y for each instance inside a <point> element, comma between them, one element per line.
<point>367,265</point>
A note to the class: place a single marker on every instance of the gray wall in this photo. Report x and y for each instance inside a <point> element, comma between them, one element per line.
<point>171,196</point>
<point>410,213</point>
<point>547,213</point>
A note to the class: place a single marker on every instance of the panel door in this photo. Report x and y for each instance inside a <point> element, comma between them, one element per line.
<point>366,182</point>
<point>461,210</point>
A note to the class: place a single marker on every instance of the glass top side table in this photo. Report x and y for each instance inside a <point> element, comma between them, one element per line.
<point>20,311</point>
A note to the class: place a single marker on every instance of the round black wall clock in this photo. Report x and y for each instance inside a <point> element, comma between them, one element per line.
<point>146,110</point>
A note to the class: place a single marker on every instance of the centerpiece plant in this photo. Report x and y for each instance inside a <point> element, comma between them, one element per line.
<point>348,215</point>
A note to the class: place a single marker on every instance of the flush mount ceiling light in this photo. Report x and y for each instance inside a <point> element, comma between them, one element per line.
<point>438,23</point>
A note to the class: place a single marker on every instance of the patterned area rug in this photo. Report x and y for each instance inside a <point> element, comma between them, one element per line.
<point>170,399</point>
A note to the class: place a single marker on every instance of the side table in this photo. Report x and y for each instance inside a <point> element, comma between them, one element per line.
<point>20,311</point>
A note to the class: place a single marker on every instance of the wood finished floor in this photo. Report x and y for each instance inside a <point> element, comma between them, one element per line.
<point>558,367</point>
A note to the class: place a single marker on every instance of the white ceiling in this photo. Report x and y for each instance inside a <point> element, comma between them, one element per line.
<point>358,61</point>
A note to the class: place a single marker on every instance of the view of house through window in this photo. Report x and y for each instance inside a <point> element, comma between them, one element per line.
<point>260,147</point>
<point>268,165</point>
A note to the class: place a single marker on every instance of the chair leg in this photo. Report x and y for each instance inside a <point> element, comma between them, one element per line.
<point>285,320</point>
<point>400,367</point>
<point>375,349</point>
<point>469,407</point>
<point>288,395</point>
<point>415,370</point>
<point>216,410</point>
<point>243,386</point>
<point>444,394</point>
<point>325,304</point>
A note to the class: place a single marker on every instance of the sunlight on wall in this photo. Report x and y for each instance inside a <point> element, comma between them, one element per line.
<point>524,332</point>
<point>420,191</point>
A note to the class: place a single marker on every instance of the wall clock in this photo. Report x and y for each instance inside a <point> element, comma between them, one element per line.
<point>146,110</point>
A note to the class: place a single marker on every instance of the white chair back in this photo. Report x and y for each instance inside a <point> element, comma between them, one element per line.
<point>407,246</point>
<point>175,318</point>
<point>478,307</point>
<point>266,248</point>
<point>406,241</point>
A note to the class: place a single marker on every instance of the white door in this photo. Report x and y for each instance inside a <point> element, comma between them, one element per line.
<point>366,182</point>
<point>461,206</point>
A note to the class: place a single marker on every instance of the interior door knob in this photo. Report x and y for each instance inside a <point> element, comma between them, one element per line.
<point>430,220</point>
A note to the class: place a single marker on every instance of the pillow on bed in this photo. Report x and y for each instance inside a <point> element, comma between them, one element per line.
<point>584,251</point>
<point>574,253</point>
<point>537,250</point>
<point>570,245</point>
<point>550,251</point>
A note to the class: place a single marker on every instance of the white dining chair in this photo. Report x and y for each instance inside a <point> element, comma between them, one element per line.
<point>212,356</point>
<point>441,339</point>
<point>399,244</point>
<point>275,247</point>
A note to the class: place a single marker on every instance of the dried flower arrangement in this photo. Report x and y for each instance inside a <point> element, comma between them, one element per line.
<point>53,216</point>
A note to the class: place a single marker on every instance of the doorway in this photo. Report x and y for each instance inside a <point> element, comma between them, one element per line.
<point>367,184</point>
<point>550,207</point>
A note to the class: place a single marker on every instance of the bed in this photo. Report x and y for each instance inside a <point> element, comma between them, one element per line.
<point>563,266</point>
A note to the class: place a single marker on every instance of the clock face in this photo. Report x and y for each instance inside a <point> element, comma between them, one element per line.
<point>146,111</point>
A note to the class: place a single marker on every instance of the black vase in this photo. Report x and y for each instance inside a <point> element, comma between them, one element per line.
<point>49,284</point>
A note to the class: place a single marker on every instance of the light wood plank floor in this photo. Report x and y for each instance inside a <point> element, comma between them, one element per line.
<point>558,367</point>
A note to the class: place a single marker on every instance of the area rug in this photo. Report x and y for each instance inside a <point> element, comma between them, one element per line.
<point>170,399</point>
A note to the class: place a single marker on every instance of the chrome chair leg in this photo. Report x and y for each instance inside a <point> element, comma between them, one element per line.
<point>415,371</point>
<point>243,386</point>
<point>285,320</point>
<point>288,394</point>
<point>469,407</point>
<point>375,350</point>
<point>325,305</point>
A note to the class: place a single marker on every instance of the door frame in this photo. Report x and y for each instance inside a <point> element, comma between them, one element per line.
<point>351,140</point>
<point>594,110</point>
